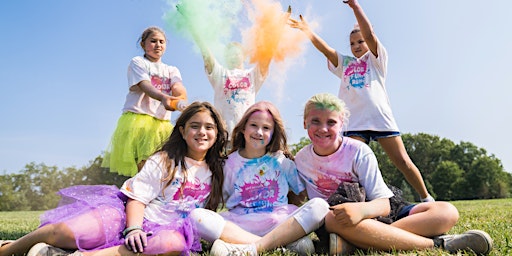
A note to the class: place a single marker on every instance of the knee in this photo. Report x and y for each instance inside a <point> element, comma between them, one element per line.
<point>319,208</point>
<point>449,211</point>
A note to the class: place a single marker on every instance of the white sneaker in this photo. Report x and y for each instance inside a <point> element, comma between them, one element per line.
<point>339,246</point>
<point>221,248</point>
<point>43,249</point>
<point>477,241</point>
<point>303,246</point>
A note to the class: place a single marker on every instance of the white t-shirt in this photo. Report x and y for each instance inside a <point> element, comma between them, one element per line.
<point>234,91</point>
<point>363,89</point>
<point>354,161</point>
<point>162,77</point>
<point>260,184</point>
<point>164,204</point>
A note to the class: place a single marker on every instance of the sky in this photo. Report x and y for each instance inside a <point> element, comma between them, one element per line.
<point>63,71</point>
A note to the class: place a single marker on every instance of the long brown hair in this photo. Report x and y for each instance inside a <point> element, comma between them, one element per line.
<point>278,141</point>
<point>176,149</point>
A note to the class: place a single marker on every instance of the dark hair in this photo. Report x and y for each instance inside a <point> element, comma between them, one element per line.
<point>278,141</point>
<point>176,149</point>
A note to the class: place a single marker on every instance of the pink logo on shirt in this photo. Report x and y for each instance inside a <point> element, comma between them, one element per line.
<point>162,84</point>
<point>260,191</point>
<point>355,71</point>
<point>197,191</point>
<point>235,84</point>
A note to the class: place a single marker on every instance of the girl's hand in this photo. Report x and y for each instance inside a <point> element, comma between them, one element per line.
<point>136,240</point>
<point>348,213</point>
<point>350,3</point>
<point>302,24</point>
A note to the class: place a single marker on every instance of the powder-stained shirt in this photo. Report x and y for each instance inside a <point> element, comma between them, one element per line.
<point>354,161</point>
<point>259,184</point>
<point>234,91</point>
<point>162,77</point>
<point>163,203</point>
<point>363,89</point>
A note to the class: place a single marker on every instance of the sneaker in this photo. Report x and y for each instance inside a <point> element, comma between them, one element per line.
<point>221,248</point>
<point>303,246</point>
<point>475,240</point>
<point>339,246</point>
<point>43,249</point>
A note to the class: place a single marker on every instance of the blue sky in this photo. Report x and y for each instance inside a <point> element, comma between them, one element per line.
<point>64,67</point>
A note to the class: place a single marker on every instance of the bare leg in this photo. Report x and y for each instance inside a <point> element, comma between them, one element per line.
<point>429,219</point>
<point>287,232</point>
<point>232,233</point>
<point>372,234</point>
<point>118,251</point>
<point>58,235</point>
<point>395,149</point>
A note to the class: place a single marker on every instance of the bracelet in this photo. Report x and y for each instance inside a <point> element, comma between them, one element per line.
<point>130,229</point>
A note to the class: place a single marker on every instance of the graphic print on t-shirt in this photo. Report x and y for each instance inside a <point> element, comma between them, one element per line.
<point>259,192</point>
<point>236,88</point>
<point>162,84</point>
<point>355,71</point>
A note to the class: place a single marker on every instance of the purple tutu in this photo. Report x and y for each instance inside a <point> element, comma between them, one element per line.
<point>96,215</point>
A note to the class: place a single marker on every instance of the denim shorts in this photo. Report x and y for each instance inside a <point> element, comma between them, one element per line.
<point>404,212</point>
<point>370,136</point>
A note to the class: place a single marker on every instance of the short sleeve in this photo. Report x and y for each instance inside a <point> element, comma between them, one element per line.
<point>146,184</point>
<point>137,71</point>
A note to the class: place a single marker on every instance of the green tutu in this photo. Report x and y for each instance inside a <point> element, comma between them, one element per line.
<point>136,138</point>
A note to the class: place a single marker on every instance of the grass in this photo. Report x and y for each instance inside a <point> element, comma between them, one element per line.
<point>493,216</point>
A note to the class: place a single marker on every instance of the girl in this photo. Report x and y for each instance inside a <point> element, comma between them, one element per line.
<point>363,89</point>
<point>149,214</point>
<point>258,175</point>
<point>155,89</point>
<point>332,160</point>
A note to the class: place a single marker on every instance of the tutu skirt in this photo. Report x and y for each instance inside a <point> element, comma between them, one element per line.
<point>136,138</point>
<point>96,216</point>
<point>259,223</point>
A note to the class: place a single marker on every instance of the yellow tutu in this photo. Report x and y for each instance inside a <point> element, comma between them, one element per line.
<point>136,138</point>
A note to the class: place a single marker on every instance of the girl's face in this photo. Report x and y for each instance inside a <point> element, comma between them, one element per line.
<point>154,46</point>
<point>358,45</point>
<point>234,57</point>
<point>324,128</point>
<point>258,132</point>
<point>200,133</point>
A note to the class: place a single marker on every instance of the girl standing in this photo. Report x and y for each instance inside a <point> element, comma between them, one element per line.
<point>363,89</point>
<point>149,214</point>
<point>155,89</point>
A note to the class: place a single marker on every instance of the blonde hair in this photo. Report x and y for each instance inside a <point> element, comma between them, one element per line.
<point>327,101</point>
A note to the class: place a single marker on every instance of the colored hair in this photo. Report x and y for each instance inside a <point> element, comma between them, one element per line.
<point>278,140</point>
<point>327,101</point>
<point>176,149</point>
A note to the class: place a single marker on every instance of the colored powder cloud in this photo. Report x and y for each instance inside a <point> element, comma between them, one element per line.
<point>270,37</point>
<point>212,21</point>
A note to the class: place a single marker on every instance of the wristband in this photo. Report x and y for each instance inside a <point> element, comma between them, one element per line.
<point>130,229</point>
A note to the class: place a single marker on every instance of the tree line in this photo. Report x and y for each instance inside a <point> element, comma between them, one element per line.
<point>451,172</point>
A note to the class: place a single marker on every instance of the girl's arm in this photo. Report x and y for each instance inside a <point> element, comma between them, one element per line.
<point>353,213</point>
<point>170,102</point>
<point>135,236</point>
<point>364,25</point>
<point>318,42</point>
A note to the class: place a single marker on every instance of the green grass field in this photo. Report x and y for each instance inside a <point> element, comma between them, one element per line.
<point>492,216</point>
